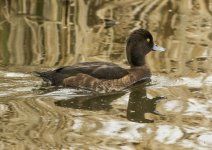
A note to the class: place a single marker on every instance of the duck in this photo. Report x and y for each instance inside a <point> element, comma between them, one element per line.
<point>106,76</point>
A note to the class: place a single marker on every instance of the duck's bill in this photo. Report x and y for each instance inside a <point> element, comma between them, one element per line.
<point>158,48</point>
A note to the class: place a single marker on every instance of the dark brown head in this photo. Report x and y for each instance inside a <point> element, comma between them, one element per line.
<point>139,43</point>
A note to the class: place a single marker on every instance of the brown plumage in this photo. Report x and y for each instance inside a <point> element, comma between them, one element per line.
<point>105,76</point>
<point>88,82</point>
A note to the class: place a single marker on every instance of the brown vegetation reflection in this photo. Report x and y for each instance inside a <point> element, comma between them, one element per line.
<point>64,32</point>
<point>40,34</point>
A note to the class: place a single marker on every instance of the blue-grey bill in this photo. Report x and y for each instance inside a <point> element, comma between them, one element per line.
<point>158,48</point>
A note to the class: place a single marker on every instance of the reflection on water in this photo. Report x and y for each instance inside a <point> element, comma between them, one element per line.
<point>139,104</point>
<point>177,103</point>
<point>93,102</point>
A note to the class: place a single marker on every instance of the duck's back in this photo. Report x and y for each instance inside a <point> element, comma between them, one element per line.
<point>99,70</point>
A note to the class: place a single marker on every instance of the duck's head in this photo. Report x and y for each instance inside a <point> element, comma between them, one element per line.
<point>139,43</point>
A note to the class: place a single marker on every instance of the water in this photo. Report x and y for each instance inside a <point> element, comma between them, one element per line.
<point>173,111</point>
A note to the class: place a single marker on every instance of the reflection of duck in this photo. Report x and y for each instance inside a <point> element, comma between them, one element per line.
<point>105,76</point>
<point>138,105</point>
<point>90,102</point>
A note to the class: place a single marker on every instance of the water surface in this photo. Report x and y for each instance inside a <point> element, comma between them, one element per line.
<point>173,111</point>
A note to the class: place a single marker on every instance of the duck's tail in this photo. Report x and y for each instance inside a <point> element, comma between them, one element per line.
<point>46,76</point>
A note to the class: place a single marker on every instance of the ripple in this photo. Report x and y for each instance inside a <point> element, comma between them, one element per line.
<point>67,93</point>
<point>16,75</point>
<point>197,82</point>
<point>205,139</point>
<point>3,109</point>
<point>173,106</point>
<point>198,138</point>
<point>122,129</point>
<point>199,107</point>
<point>169,134</point>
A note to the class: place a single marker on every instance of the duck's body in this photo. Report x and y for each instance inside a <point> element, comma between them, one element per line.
<point>97,76</point>
<point>105,76</point>
<point>99,70</point>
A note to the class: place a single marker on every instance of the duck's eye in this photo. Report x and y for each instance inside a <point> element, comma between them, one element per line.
<point>148,39</point>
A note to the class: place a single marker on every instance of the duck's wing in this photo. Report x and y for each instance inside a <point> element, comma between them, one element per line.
<point>88,82</point>
<point>99,70</point>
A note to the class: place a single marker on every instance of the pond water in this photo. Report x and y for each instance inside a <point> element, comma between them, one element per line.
<point>173,111</point>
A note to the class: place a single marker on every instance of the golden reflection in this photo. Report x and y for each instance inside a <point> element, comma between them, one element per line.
<point>38,34</point>
<point>64,32</point>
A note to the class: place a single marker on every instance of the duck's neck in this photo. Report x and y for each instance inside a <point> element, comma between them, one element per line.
<point>136,54</point>
<point>137,63</point>
<point>136,59</point>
